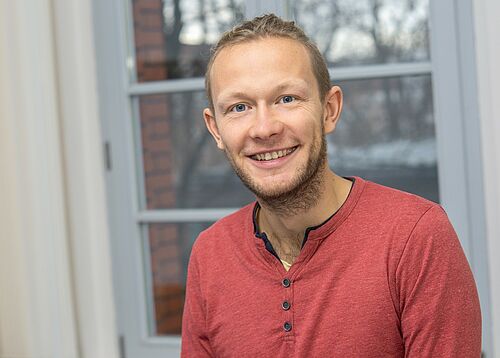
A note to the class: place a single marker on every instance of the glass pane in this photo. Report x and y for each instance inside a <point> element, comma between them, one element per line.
<point>182,166</point>
<point>386,134</point>
<point>168,247</point>
<point>367,31</point>
<point>172,38</point>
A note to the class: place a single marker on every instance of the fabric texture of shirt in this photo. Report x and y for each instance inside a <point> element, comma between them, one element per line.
<point>383,277</point>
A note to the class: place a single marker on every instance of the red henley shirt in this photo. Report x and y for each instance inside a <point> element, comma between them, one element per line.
<point>384,277</point>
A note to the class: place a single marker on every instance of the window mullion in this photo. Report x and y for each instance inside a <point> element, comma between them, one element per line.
<point>337,74</point>
<point>183,215</point>
<point>380,71</point>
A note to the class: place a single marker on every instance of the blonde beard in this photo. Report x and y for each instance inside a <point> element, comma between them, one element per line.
<point>301,195</point>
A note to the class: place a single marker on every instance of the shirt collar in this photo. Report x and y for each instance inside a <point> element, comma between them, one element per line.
<point>329,225</point>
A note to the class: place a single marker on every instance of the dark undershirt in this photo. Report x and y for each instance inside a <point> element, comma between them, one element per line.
<point>262,235</point>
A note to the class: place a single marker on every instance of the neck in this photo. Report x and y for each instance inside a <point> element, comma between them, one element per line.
<point>287,228</point>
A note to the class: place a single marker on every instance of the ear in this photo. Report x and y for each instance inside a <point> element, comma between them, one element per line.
<point>333,108</point>
<point>212,127</point>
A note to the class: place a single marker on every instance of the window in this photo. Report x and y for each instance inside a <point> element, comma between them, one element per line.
<point>177,165</point>
<point>166,179</point>
<point>379,54</point>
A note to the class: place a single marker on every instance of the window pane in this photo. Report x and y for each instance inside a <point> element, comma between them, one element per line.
<point>172,38</point>
<point>168,247</point>
<point>387,125</point>
<point>182,166</point>
<point>351,33</point>
<point>386,134</point>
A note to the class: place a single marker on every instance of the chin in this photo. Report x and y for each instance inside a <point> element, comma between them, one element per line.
<point>272,190</point>
<point>302,181</point>
<point>275,189</point>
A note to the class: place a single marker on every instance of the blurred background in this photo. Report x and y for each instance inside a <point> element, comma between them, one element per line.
<point>108,173</point>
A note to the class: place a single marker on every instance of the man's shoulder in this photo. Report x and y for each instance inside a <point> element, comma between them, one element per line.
<point>394,201</point>
<point>403,220</point>
<point>389,208</point>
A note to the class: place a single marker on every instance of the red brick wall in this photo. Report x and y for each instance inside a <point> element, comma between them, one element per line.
<point>149,40</point>
<point>157,151</point>
<point>155,124</point>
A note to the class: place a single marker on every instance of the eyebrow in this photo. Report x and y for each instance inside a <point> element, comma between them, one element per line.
<point>291,84</point>
<point>229,98</point>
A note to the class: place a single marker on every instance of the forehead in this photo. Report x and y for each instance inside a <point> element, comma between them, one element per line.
<point>260,64</point>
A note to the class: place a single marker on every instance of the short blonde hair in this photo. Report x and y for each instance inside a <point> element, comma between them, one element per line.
<point>266,26</point>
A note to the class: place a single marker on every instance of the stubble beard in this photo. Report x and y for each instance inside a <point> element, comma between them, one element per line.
<point>302,194</point>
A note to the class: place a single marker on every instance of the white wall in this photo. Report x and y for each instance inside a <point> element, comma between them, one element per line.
<point>55,271</point>
<point>487,28</point>
<point>36,308</point>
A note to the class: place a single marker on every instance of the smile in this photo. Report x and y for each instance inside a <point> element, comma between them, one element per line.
<point>273,155</point>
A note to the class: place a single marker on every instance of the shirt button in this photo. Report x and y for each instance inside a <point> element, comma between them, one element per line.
<point>285,305</point>
<point>287,326</point>
<point>286,282</point>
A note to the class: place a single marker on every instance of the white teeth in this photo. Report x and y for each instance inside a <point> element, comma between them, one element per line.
<point>273,155</point>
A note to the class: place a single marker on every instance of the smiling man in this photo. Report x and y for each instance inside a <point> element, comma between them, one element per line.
<point>319,265</point>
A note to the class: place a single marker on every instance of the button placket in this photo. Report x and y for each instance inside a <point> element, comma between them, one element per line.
<point>285,306</point>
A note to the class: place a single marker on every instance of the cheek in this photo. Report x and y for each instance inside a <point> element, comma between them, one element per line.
<point>305,123</point>
<point>307,110</point>
<point>232,138</point>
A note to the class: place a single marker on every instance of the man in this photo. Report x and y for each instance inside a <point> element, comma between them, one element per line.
<point>320,265</point>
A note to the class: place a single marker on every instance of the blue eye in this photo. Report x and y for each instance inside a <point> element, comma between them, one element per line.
<point>287,99</point>
<point>240,107</point>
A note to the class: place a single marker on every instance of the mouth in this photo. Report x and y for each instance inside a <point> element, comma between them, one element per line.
<point>272,155</point>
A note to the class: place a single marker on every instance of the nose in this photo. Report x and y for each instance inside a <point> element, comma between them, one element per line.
<point>265,124</point>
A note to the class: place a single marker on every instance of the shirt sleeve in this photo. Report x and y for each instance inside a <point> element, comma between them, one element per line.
<point>195,343</point>
<point>439,305</point>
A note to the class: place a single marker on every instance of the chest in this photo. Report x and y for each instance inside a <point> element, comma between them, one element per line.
<point>326,306</point>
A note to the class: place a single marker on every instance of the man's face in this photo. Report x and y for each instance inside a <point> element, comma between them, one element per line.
<point>269,118</point>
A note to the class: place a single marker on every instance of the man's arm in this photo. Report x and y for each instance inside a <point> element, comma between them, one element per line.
<point>439,306</point>
<point>194,336</point>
